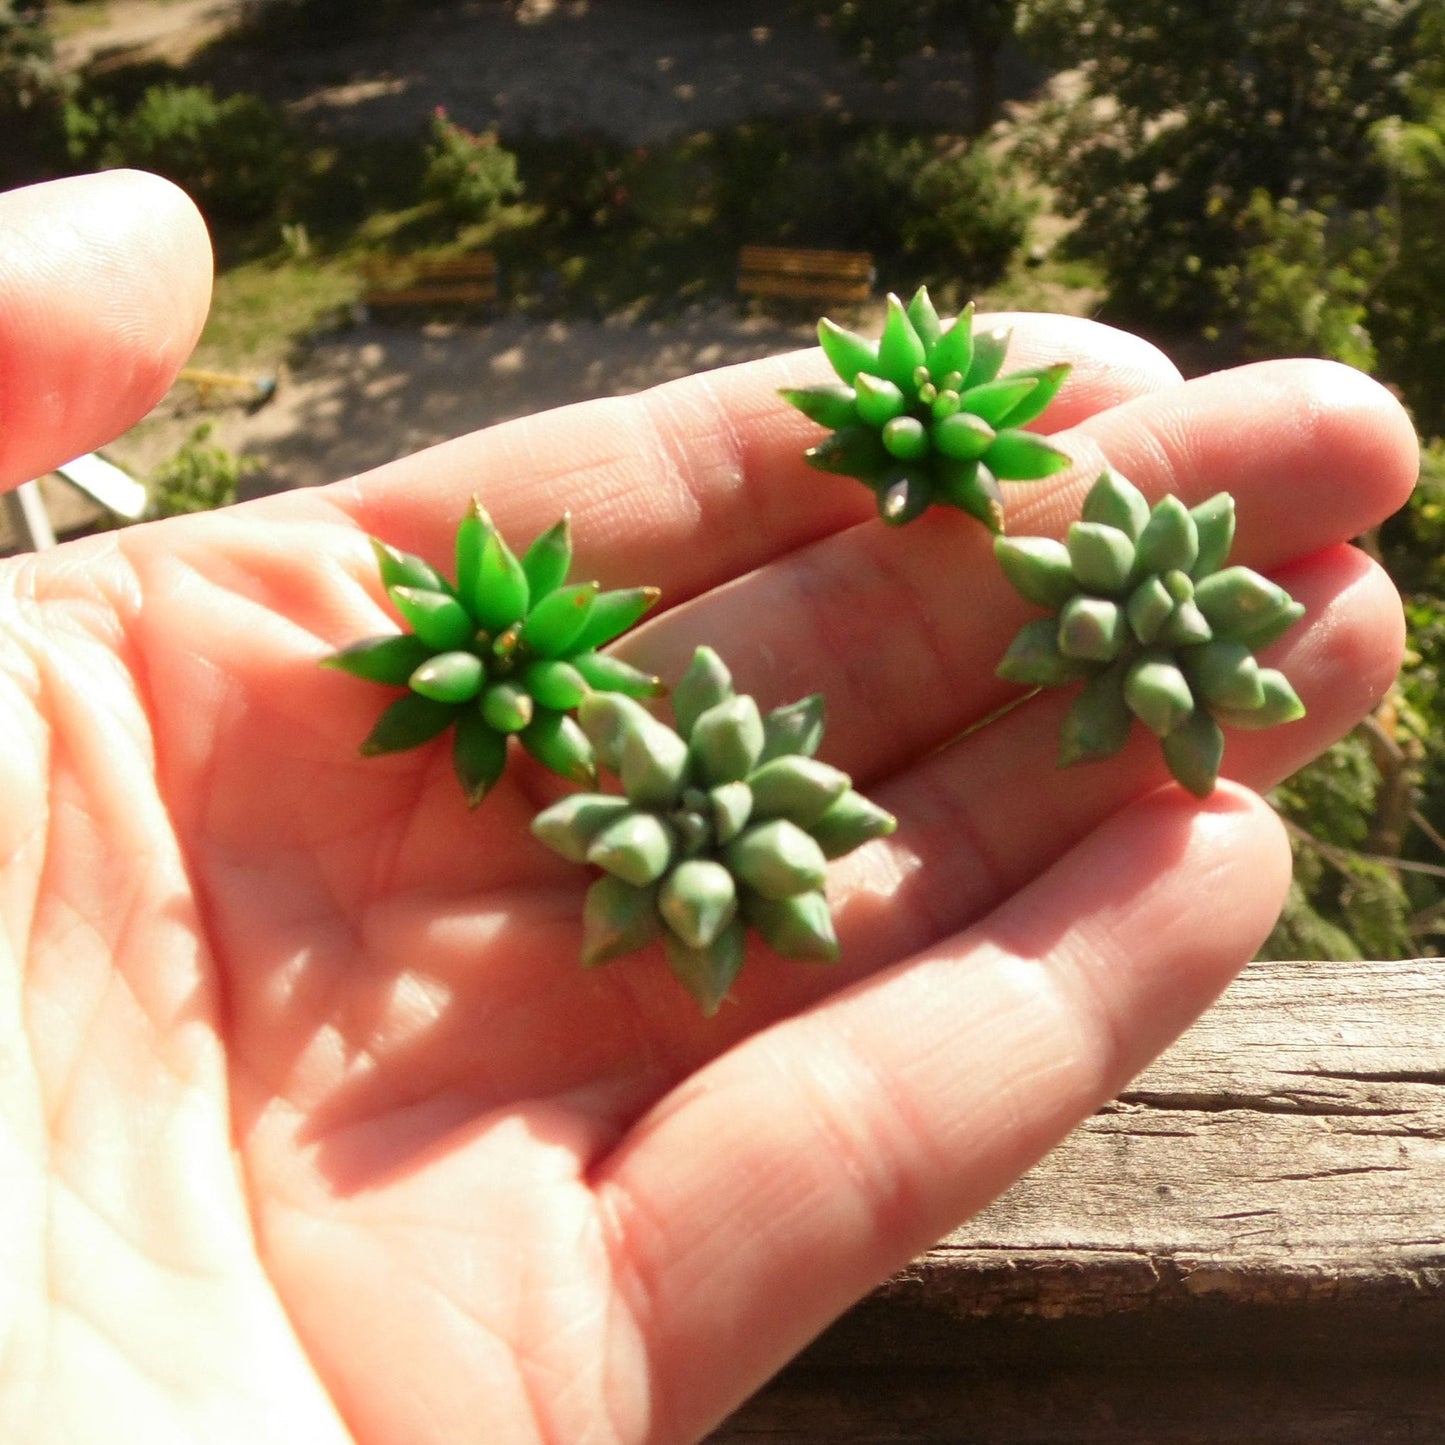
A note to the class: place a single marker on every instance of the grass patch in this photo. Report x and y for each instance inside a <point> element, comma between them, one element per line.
<point>261,309</point>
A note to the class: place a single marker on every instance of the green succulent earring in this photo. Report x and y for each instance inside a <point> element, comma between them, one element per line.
<point>508,649</point>
<point>724,823</point>
<point>1147,617</point>
<point>922,415</point>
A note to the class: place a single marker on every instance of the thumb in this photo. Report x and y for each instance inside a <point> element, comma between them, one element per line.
<point>104,285</point>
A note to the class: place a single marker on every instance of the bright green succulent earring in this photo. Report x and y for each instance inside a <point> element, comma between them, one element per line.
<point>508,649</point>
<point>724,823</point>
<point>1145,614</point>
<point>922,416</point>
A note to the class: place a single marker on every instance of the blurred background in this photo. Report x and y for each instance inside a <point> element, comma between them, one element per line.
<point>432,215</point>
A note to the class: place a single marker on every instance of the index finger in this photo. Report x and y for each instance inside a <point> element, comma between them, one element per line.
<point>700,480</point>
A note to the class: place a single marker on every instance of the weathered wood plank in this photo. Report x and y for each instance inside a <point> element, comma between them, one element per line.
<point>1248,1245</point>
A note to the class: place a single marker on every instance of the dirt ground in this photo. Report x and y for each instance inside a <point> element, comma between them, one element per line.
<point>635,69</point>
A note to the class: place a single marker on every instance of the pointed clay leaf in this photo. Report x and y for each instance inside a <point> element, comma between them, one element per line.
<point>1281,704</point>
<point>971,487</point>
<point>1102,557</point>
<point>1097,725</point>
<point>796,727</point>
<point>437,618</point>
<point>502,594</point>
<point>611,674</point>
<point>617,918</point>
<point>552,627</point>
<point>1023,456</point>
<point>402,569</point>
<point>1114,501</point>
<point>1034,659</point>
<point>697,900</point>
<point>548,560</point>
<point>654,765</point>
<point>390,660</point>
<point>993,401</point>
<point>832,405</point>
<point>799,789</point>
<point>848,352</point>
<point>706,683</point>
<point>1194,751</point>
<point>558,743</point>
<point>408,723</point>
<point>852,821</point>
<point>1239,602</point>
<point>637,848</point>
<point>1149,607</point>
<point>900,349</point>
<point>1214,521</point>
<point>1225,674</point>
<point>855,451</point>
<point>989,350</point>
<point>1050,380</point>
<point>963,437</point>
<point>777,859</point>
<point>449,677</point>
<point>1038,568</point>
<point>953,351</point>
<point>507,706</point>
<point>797,927</point>
<point>1158,694</point>
<point>569,826</point>
<point>1170,539</point>
<point>1092,629</point>
<point>924,316</point>
<point>905,438</point>
<point>612,613</point>
<point>479,756</point>
<point>726,741</point>
<point>708,973</point>
<point>605,718</point>
<point>555,684</point>
<point>731,808</point>
<point>471,537</point>
<point>904,493</point>
<point>879,399</point>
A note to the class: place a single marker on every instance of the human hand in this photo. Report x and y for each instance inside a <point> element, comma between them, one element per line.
<point>314,1129</point>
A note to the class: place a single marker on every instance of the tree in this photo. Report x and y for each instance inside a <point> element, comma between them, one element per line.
<point>883,33</point>
<point>1190,107</point>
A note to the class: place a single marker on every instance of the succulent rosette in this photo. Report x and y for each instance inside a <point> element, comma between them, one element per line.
<point>1146,615</point>
<point>724,823</point>
<point>923,416</point>
<point>507,650</point>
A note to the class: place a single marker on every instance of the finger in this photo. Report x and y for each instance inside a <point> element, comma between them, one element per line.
<point>780,1183</point>
<point>697,481</point>
<point>104,284</point>
<point>903,629</point>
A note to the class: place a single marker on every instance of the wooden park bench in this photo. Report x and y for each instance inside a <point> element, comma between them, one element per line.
<point>1246,1246</point>
<point>469,280</point>
<point>805,275</point>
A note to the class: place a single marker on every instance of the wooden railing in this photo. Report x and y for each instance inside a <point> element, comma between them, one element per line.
<point>1247,1246</point>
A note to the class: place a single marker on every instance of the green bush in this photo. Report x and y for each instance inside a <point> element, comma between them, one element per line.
<point>198,478</point>
<point>32,96</point>
<point>470,173</point>
<point>234,156</point>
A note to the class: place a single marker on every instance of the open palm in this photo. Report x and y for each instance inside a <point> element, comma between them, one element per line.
<point>313,1128</point>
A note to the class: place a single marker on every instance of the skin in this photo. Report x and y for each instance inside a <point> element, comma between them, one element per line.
<point>311,1127</point>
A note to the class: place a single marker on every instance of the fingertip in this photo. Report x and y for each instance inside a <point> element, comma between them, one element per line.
<point>104,284</point>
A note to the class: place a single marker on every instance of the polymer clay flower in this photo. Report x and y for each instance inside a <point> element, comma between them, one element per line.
<point>1144,613</point>
<point>923,417</point>
<point>507,650</point>
<point>724,823</point>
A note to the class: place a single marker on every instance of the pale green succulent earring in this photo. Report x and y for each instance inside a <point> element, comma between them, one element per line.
<point>724,823</point>
<point>508,649</point>
<point>923,417</point>
<point>1146,615</point>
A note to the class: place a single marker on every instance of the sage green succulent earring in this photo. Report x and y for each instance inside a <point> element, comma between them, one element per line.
<point>1145,614</point>
<point>724,823</point>
<point>508,649</point>
<point>923,417</point>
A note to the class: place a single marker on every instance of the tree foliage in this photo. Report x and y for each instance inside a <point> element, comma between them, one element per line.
<point>884,33</point>
<point>1190,107</point>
